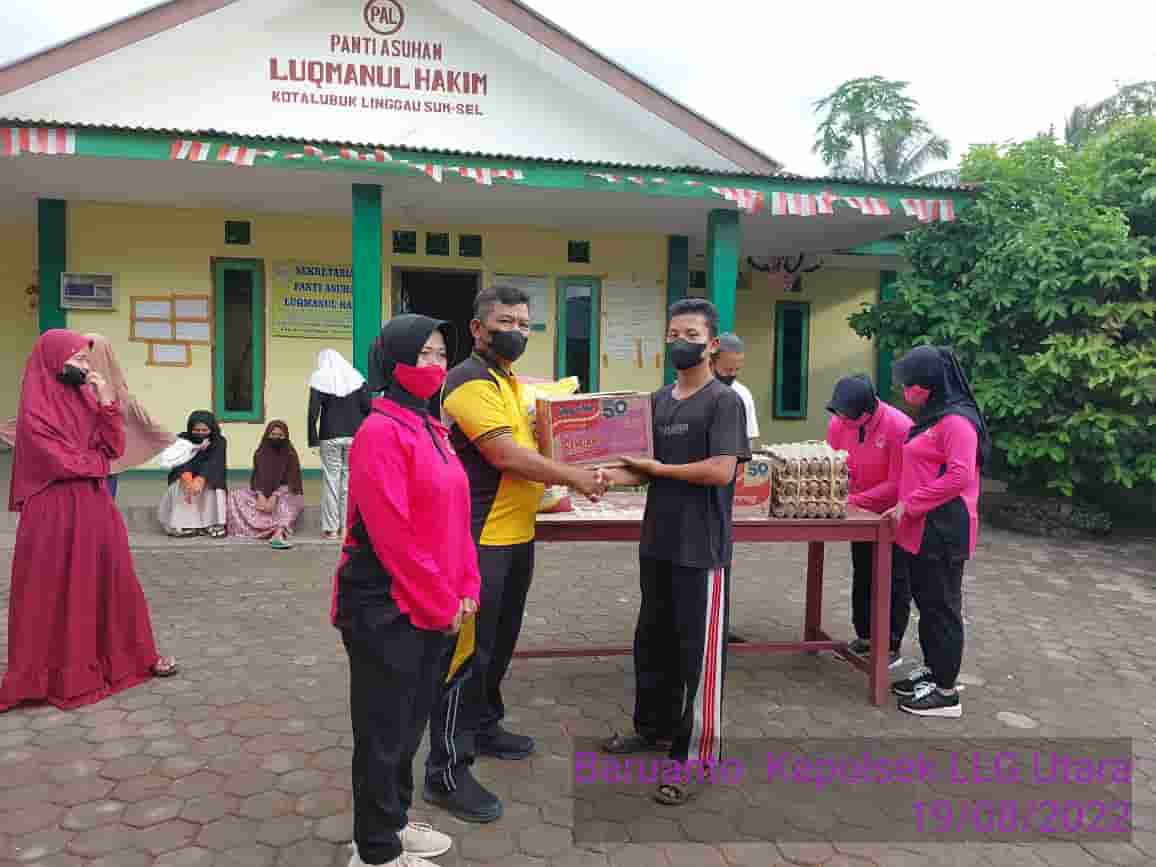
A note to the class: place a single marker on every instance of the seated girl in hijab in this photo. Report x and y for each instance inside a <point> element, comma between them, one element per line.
<point>195,502</point>
<point>269,507</point>
<point>936,518</point>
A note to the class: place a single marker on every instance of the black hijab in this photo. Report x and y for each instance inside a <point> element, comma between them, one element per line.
<point>853,396</point>
<point>210,463</point>
<point>400,342</point>
<point>937,369</point>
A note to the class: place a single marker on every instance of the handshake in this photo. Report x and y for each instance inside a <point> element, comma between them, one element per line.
<point>592,484</point>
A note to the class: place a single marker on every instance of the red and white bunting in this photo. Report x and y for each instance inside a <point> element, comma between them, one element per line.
<point>46,141</point>
<point>693,183</point>
<point>307,151</point>
<point>376,156</point>
<point>635,180</point>
<point>343,154</point>
<point>431,169</point>
<point>239,155</point>
<point>929,210</point>
<point>794,204</point>
<point>610,179</point>
<point>486,176</point>
<point>826,203</point>
<point>659,181</point>
<point>868,206</point>
<point>750,201</point>
<point>195,151</point>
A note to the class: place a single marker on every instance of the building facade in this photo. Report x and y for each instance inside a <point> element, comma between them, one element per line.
<point>226,187</point>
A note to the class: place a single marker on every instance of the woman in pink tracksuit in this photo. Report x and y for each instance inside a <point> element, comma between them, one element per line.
<point>936,518</point>
<point>407,577</point>
<point>872,433</point>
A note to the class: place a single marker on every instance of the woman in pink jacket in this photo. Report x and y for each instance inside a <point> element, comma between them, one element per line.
<point>408,576</point>
<point>872,433</point>
<point>936,518</point>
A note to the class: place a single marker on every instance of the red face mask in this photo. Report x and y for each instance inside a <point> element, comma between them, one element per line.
<point>916,395</point>
<point>422,382</point>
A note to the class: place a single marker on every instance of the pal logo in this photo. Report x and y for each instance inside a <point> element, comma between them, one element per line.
<point>384,16</point>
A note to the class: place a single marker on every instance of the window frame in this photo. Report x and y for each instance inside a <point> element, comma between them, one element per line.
<point>778,410</point>
<point>560,320</point>
<point>256,267</point>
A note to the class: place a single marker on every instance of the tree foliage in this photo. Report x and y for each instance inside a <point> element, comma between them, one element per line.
<point>857,111</point>
<point>1043,287</point>
<point>1088,121</point>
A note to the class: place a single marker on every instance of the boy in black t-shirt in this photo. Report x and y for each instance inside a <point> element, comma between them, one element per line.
<point>680,641</point>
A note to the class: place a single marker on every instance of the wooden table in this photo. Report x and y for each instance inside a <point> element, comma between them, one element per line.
<point>619,519</point>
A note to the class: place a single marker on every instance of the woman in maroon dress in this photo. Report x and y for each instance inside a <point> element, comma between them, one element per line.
<point>78,624</point>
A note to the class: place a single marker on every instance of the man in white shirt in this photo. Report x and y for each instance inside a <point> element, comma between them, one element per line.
<point>728,363</point>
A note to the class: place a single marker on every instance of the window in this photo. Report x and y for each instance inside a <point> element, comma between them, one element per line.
<point>238,232</point>
<point>404,241</point>
<point>239,351</point>
<point>578,251</point>
<point>578,326</point>
<point>437,243</point>
<point>792,335</point>
<point>470,246</point>
<point>698,279</point>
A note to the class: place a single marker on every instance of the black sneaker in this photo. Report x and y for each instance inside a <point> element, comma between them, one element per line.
<point>861,647</point>
<point>505,745</point>
<point>735,638</point>
<point>929,701</point>
<point>469,800</point>
<point>905,687</point>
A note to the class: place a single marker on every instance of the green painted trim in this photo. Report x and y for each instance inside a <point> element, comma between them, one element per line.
<point>52,256</point>
<point>884,358</point>
<point>882,247</point>
<point>235,473</point>
<point>722,264</point>
<point>560,371</point>
<point>257,269</point>
<point>367,240</point>
<point>142,145</point>
<point>777,387</point>
<point>677,285</point>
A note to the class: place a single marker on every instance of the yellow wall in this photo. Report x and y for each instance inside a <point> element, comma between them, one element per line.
<point>157,251</point>
<point>835,350</point>
<point>19,325</point>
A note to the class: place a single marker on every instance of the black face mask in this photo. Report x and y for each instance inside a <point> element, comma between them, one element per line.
<point>684,355</point>
<point>73,375</point>
<point>196,439</point>
<point>278,444</point>
<point>508,344</point>
<point>727,380</point>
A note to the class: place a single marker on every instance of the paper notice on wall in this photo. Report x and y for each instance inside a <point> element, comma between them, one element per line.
<point>631,323</point>
<point>538,286</point>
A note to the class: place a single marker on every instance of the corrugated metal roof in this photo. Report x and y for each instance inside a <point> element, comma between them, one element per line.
<point>625,167</point>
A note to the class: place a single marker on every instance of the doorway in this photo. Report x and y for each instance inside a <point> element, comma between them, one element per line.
<point>577,351</point>
<point>447,295</point>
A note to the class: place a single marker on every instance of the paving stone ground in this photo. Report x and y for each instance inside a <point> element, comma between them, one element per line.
<point>243,760</point>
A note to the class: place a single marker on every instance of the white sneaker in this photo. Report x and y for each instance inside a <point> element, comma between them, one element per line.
<point>402,860</point>
<point>418,840</point>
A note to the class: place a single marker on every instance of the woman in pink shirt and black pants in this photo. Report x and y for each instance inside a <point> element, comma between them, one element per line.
<point>872,433</point>
<point>936,518</point>
<point>408,576</point>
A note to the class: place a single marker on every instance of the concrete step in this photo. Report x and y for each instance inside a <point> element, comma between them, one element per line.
<point>143,520</point>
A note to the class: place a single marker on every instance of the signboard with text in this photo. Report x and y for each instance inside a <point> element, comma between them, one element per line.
<point>311,300</point>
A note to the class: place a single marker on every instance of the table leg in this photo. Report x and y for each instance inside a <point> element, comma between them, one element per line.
<point>813,624</point>
<point>880,622</point>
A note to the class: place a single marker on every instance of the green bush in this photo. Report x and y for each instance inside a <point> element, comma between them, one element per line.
<point>1043,288</point>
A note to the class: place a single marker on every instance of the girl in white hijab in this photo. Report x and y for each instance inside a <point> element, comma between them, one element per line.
<point>339,401</point>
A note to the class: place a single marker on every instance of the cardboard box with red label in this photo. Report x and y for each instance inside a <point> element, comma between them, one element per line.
<point>753,487</point>
<point>594,430</point>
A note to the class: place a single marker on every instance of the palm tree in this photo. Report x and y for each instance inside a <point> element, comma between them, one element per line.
<point>900,152</point>
<point>1130,100</point>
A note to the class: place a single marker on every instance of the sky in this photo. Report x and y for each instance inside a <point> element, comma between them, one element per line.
<point>983,71</point>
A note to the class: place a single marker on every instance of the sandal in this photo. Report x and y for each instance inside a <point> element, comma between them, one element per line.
<point>676,794</point>
<point>280,545</point>
<point>180,534</point>
<point>166,666</point>
<point>622,745</point>
<point>217,532</point>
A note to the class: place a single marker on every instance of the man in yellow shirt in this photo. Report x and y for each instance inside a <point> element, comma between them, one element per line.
<point>491,434</point>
